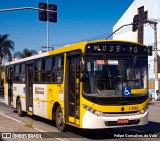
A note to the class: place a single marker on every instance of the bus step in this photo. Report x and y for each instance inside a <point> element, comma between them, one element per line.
<point>29,113</point>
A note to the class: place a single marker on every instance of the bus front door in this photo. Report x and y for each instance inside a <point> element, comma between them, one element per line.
<point>29,88</point>
<point>73,89</point>
<point>10,86</point>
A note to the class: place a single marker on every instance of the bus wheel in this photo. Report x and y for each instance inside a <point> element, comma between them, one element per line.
<point>19,108</point>
<point>59,120</point>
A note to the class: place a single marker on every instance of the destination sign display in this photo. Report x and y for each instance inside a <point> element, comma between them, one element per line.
<point>117,48</point>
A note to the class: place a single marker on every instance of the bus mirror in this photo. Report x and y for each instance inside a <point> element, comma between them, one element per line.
<point>82,66</point>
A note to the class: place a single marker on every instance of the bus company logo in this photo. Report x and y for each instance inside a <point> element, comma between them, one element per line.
<point>122,109</point>
<point>6,135</point>
<point>39,90</point>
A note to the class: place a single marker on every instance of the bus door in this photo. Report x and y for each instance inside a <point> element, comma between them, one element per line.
<point>29,88</point>
<point>73,89</point>
<point>10,86</point>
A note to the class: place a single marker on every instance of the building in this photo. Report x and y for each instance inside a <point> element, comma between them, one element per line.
<point>149,9</point>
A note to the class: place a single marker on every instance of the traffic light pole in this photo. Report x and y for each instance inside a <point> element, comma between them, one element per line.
<point>33,8</point>
<point>155,57</point>
<point>118,29</point>
<point>24,8</point>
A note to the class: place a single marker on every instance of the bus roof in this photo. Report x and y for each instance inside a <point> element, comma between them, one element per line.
<point>67,48</point>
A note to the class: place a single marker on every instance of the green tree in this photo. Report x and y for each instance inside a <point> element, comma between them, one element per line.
<point>6,48</point>
<point>25,53</point>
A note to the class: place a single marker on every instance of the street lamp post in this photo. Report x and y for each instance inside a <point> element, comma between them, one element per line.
<point>155,57</point>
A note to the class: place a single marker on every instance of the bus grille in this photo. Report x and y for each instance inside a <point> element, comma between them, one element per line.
<point>117,114</point>
<point>115,123</point>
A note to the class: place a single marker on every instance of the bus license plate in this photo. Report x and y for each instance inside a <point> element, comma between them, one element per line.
<point>122,121</point>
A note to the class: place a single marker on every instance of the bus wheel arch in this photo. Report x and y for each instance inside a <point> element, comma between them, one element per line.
<point>56,104</point>
<point>57,115</point>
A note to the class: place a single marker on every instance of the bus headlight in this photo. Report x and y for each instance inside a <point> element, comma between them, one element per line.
<point>143,110</point>
<point>93,111</point>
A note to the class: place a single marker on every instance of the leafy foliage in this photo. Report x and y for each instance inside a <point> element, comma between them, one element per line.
<point>25,53</point>
<point>6,46</point>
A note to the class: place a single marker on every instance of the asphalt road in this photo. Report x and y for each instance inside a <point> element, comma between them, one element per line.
<point>35,126</point>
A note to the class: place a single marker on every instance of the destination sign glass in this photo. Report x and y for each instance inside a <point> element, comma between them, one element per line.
<point>116,48</point>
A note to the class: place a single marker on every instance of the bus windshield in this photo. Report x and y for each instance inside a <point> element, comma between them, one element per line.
<point>109,76</point>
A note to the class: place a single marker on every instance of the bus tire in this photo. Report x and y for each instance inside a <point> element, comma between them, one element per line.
<point>61,126</point>
<point>19,108</point>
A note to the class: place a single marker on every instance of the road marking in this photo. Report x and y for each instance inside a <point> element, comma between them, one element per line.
<point>24,123</point>
<point>38,129</point>
<point>11,118</point>
<point>59,139</point>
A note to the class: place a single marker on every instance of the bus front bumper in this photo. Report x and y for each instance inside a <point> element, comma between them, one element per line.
<point>91,121</point>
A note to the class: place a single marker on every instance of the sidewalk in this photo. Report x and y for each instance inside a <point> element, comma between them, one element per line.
<point>12,130</point>
<point>8,125</point>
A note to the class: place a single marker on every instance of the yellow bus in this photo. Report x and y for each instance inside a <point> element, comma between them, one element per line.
<point>89,85</point>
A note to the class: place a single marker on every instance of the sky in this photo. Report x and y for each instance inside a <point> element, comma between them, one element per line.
<point>77,20</point>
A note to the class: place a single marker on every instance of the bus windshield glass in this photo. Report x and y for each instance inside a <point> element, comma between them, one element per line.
<point>109,76</point>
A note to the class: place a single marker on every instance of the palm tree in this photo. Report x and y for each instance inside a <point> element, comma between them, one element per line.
<point>25,53</point>
<point>17,54</point>
<point>6,46</point>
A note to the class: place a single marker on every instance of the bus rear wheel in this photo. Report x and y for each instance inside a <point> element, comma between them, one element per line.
<point>19,108</point>
<point>61,126</point>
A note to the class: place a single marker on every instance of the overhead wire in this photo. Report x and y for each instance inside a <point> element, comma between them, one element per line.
<point>124,30</point>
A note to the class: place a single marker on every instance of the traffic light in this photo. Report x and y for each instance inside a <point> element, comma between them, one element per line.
<point>52,15</point>
<point>42,13</point>
<point>135,23</point>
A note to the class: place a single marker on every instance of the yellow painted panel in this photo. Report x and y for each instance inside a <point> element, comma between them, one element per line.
<point>101,108</point>
<point>127,108</point>
<point>139,91</point>
<point>77,121</point>
<point>71,119</point>
<point>55,93</point>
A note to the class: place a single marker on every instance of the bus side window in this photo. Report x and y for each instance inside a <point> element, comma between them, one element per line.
<point>16,73</point>
<point>37,73</point>
<point>57,69</point>
<point>22,73</point>
<point>46,70</point>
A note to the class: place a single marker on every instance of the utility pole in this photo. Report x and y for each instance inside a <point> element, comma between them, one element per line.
<point>155,57</point>
<point>47,28</point>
